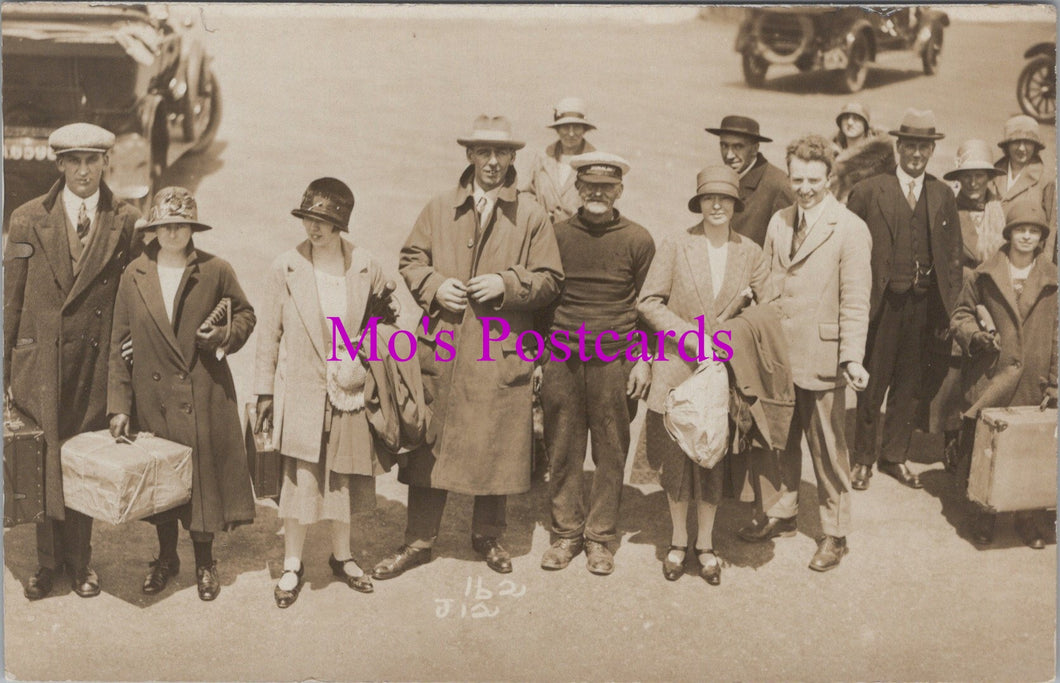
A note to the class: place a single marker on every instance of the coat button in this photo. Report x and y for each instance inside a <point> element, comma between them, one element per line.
<point>98,312</point>
<point>182,376</point>
<point>105,280</point>
<point>471,244</point>
<point>156,376</point>
<point>186,407</point>
<point>95,344</point>
<point>1016,364</point>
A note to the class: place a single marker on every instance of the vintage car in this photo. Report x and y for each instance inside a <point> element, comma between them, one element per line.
<point>141,73</point>
<point>1036,87</point>
<point>844,39</point>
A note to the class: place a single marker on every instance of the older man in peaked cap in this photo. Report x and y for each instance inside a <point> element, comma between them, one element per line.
<point>481,259</point>
<point>66,251</point>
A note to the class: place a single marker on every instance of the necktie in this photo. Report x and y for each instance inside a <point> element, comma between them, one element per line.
<point>82,223</point>
<point>799,236</point>
<point>911,197</point>
<point>480,207</point>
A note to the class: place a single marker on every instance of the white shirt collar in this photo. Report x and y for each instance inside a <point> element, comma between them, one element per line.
<point>72,205</point>
<point>904,179</point>
<point>812,214</point>
<point>1013,178</point>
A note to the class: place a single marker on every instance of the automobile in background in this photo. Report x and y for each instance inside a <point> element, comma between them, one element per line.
<point>846,40</point>
<point>142,73</point>
<point>1036,86</point>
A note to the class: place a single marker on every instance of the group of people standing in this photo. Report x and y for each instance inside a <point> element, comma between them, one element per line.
<point>105,328</point>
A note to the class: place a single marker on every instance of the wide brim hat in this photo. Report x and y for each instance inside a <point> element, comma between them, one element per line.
<point>329,200</point>
<point>494,131</point>
<point>570,110</point>
<point>1022,127</point>
<point>974,155</point>
<point>855,109</point>
<point>917,125</point>
<point>740,125</point>
<point>80,137</point>
<point>1025,214</point>
<point>174,205</point>
<point>600,167</point>
<point>718,179</point>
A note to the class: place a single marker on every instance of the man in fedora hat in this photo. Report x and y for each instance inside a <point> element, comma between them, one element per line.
<point>1024,178</point>
<point>764,188</point>
<point>65,254</point>
<point>605,260</point>
<point>916,277</point>
<point>819,254</point>
<point>480,261</point>
<point>551,178</point>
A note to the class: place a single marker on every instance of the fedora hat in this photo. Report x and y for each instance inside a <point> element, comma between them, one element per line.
<point>1025,213</point>
<point>80,137</point>
<point>974,155</point>
<point>600,167</point>
<point>918,125</point>
<point>1022,127</point>
<point>739,125</point>
<point>329,200</point>
<point>570,110</point>
<point>174,205</point>
<point>719,179</point>
<point>855,109</point>
<point>495,131</point>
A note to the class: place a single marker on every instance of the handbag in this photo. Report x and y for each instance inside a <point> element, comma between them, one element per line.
<point>696,414</point>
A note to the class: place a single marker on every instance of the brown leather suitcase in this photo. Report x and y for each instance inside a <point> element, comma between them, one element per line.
<point>1014,459</point>
<point>263,459</point>
<point>23,469</point>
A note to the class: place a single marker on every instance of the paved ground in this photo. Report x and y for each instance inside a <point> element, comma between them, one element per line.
<point>379,102</point>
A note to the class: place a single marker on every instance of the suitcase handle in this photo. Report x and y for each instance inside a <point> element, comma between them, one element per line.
<point>997,424</point>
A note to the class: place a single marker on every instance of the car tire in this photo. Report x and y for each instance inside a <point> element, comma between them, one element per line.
<point>754,69</point>
<point>1036,89</point>
<point>210,92</point>
<point>852,78</point>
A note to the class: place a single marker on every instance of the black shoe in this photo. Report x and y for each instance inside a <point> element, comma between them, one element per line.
<point>400,562</point>
<point>899,471</point>
<point>758,530</point>
<point>710,570</point>
<point>284,598</point>
<point>599,558</point>
<point>560,553</point>
<point>983,528</point>
<point>951,452</point>
<point>159,575</point>
<point>1028,531</point>
<point>859,477</point>
<point>361,584</point>
<point>209,585</point>
<point>673,570</point>
<point>86,583</point>
<point>830,550</point>
<point>497,558</point>
<point>40,584</point>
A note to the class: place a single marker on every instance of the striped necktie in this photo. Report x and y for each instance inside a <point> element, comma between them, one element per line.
<point>83,223</point>
<point>799,237</point>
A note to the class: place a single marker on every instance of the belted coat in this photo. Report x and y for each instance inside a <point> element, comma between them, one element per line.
<point>57,325</point>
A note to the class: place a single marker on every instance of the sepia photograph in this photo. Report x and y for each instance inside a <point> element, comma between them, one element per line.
<point>468,342</point>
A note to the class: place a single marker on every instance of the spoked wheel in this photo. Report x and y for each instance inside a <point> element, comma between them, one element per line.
<point>1036,89</point>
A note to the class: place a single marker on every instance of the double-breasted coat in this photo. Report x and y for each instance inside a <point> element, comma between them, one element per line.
<point>764,190</point>
<point>1025,367</point>
<point>1036,186</point>
<point>57,325</point>
<point>479,434</point>
<point>180,392</point>
<point>559,197</point>
<point>293,328</point>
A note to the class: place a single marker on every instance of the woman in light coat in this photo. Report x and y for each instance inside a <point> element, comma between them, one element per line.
<point>706,271</point>
<point>314,405</point>
<point>551,175</point>
<point>1025,178</point>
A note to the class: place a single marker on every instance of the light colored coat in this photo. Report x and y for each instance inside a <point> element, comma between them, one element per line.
<point>678,289</point>
<point>559,197</point>
<point>1036,186</point>
<point>822,294</point>
<point>291,320</point>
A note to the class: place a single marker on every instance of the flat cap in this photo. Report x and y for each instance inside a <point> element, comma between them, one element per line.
<point>81,137</point>
<point>600,167</point>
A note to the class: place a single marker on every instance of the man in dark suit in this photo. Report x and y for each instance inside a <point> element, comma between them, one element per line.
<point>764,188</point>
<point>916,277</point>
<point>66,252</point>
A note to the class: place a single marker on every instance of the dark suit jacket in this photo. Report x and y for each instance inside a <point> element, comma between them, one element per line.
<point>876,200</point>
<point>764,190</point>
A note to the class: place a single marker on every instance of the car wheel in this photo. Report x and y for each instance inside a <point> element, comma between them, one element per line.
<point>852,78</point>
<point>932,49</point>
<point>1036,89</point>
<point>754,69</point>
<point>210,101</point>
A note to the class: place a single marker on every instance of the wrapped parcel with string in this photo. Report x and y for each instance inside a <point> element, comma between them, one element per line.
<point>121,481</point>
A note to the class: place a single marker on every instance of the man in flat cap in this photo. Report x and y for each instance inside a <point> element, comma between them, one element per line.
<point>605,260</point>
<point>764,188</point>
<point>66,252</point>
<point>480,261</point>
<point>916,277</point>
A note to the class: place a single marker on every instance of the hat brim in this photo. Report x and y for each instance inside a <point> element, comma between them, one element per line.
<point>852,113</point>
<point>1006,233</point>
<point>1039,143</point>
<point>97,150</point>
<point>989,168</point>
<point>571,119</point>
<point>598,178</point>
<point>300,213</point>
<point>172,220</point>
<point>693,203</point>
<point>916,136</point>
<point>506,144</point>
<point>731,131</point>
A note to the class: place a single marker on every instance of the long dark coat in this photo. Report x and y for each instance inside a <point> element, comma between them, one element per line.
<point>181,393</point>
<point>764,190</point>
<point>480,431</point>
<point>1020,373</point>
<point>57,326</point>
